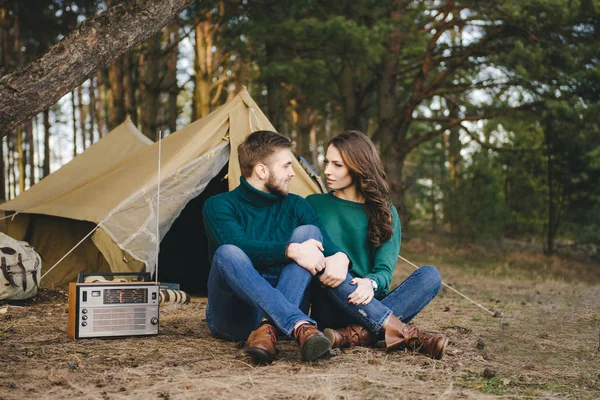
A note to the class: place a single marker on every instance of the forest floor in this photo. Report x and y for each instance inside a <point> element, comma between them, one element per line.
<point>545,344</point>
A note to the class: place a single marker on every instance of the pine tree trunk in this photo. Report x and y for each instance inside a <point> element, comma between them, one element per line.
<point>128,87</point>
<point>100,115</point>
<point>92,108</point>
<point>2,172</point>
<point>46,165</point>
<point>12,184</point>
<point>150,111</point>
<point>202,70</point>
<point>117,101</point>
<point>275,95</point>
<point>87,49</point>
<point>82,117</point>
<point>21,160</point>
<point>74,121</point>
<point>171,74</point>
<point>5,51</point>
<point>30,159</point>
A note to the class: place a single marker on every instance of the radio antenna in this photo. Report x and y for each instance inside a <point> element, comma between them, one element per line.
<point>158,207</point>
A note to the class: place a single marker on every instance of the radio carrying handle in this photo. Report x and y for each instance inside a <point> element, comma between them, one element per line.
<point>141,276</point>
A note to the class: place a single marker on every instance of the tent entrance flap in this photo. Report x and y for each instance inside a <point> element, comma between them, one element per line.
<point>132,224</point>
<point>183,256</point>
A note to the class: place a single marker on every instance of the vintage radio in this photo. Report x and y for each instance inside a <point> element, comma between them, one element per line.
<point>113,308</point>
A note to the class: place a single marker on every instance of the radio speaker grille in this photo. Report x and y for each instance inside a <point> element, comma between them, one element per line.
<point>125,296</point>
<point>119,319</point>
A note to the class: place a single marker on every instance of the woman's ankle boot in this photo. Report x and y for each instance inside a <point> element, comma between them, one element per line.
<point>399,335</point>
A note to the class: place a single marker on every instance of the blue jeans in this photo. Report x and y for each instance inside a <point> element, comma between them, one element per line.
<point>239,297</point>
<point>330,307</point>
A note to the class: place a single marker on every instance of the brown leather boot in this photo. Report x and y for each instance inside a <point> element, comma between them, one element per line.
<point>313,344</point>
<point>398,335</point>
<point>261,344</point>
<point>352,335</point>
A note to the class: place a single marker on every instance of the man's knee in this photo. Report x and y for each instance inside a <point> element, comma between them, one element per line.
<point>228,253</point>
<point>431,277</point>
<point>306,232</point>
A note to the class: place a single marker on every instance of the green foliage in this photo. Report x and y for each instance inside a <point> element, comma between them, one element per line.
<point>481,199</point>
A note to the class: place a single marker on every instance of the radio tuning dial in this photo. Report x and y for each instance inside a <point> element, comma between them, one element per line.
<point>84,317</point>
<point>84,311</point>
<point>84,323</point>
<point>154,321</point>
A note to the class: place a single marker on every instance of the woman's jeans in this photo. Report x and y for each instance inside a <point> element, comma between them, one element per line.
<point>239,297</point>
<point>330,307</point>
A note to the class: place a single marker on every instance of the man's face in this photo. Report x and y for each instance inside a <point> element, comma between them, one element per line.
<point>280,169</point>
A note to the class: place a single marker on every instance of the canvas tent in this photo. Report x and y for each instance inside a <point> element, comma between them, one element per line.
<point>116,190</point>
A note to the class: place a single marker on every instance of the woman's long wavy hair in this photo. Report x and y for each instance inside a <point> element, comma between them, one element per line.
<point>366,169</point>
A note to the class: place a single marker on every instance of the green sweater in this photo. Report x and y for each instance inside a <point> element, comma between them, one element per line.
<point>259,223</point>
<point>346,223</point>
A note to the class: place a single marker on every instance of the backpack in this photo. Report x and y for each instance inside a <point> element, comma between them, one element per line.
<point>21,269</point>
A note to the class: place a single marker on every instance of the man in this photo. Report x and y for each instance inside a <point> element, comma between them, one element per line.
<point>265,246</point>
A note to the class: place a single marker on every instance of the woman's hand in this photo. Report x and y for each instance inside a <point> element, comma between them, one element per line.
<point>363,293</point>
<point>336,270</point>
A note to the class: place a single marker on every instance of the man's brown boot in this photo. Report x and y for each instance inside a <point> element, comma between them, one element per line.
<point>261,344</point>
<point>352,335</point>
<point>398,335</point>
<point>313,344</point>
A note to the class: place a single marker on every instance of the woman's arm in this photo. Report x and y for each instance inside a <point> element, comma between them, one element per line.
<point>386,257</point>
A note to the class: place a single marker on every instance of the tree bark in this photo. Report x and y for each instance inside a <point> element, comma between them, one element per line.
<point>87,49</point>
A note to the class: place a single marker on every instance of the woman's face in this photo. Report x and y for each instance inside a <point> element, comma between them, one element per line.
<point>336,172</point>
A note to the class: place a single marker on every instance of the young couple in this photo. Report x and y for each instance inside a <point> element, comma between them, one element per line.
<point>267,245</point>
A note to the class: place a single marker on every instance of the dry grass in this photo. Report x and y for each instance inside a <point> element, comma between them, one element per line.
<point>544,346</point>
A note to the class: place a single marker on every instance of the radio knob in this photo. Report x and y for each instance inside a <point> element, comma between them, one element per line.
<point>84,317</point>
<point>84,310</point>
<point>84,323</point>
<point>154,321</point>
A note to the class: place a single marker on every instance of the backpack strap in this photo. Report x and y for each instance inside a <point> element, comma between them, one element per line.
<point>34,274</point>
<point>7,276</point>
<point>23,271</point>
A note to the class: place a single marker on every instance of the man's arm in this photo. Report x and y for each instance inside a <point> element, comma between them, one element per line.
<point>223,227</point>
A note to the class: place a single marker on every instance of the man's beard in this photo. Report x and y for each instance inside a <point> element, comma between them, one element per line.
<point>274,188</point>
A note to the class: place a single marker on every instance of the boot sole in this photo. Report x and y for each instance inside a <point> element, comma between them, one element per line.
<point>330,335</point>
<point>315,347</point>
<point>259,356</point>
<point>443,350</point>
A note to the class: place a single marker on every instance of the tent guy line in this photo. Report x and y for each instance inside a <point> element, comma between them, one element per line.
<point>454,290</point>
<point>70,251</point>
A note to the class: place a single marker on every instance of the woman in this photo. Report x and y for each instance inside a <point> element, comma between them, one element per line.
<point>359,218</point>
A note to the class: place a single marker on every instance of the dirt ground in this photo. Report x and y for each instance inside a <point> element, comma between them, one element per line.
<point>545,344</point>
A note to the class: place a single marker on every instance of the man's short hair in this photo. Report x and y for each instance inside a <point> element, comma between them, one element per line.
<point>257,148</point>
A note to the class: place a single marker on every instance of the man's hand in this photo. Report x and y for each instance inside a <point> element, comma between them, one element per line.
<point>336,269</point>
<point>363,293</point>
<point>308,254</point>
